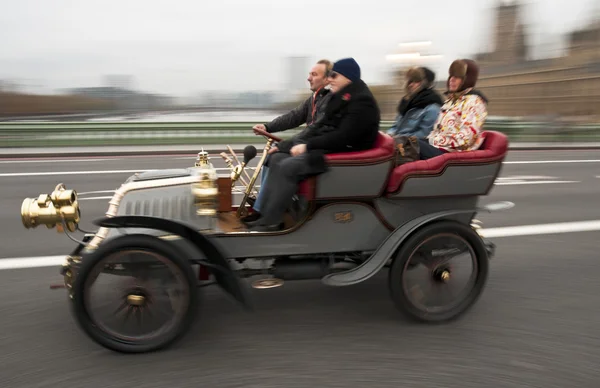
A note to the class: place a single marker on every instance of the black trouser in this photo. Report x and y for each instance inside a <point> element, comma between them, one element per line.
<point>427,151</point>
<point>285,173</point>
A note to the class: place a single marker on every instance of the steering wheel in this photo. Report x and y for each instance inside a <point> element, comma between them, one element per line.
<point>267,135</point>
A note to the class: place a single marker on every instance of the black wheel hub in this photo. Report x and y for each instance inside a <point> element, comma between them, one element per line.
<point>441,275</point>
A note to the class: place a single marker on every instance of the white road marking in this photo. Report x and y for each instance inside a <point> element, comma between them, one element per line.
<point>110,197</point>
<point>96,192</point>
<point>502,181</point>
<point>553,161</point>
<point>529,180</point>
<point>531,230</point>
<point>512,177</point>
<point>13,174</point>
<point>53,161</point>
<point>23,174</point>
<point>214,157</point>
<point>505,231</point>
<point>532,183</point>
<point>31,262</point>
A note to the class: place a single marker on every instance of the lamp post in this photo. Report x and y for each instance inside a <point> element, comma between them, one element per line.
<point>411,54</point>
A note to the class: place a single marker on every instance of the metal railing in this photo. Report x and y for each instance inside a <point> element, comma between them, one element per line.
<point>73,134</point>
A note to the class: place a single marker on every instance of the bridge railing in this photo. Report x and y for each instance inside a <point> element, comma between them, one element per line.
<point>72,134</point>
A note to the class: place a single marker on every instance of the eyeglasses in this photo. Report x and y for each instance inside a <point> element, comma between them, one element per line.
<point>333,75</point>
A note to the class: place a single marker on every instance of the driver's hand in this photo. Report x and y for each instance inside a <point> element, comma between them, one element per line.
<point>259,127</point>
<point>272,150</point>
<point>298,149</point>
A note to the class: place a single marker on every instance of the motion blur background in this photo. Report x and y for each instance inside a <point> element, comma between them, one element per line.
<point>93,91</point>
<point>141,60</point>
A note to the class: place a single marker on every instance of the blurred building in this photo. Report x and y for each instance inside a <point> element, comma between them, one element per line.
<point>568,85</point>
<point>124,99</point>
<point>297,73</point>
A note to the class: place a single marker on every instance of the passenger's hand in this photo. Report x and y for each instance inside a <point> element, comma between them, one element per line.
<point>259,127</point>
<point>272,150</point>
<point>298,149</point>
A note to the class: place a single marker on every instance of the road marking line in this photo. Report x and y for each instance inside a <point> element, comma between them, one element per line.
<point>505,231</point>
<point>553,161</point>
<point>53,161</point>
<point>514,180</point>
<point>32,262</point>
<point>23,174</point>
<point>96,192</point>
<point>92,198</point>
<point>532,183</point>
<point>524,177</point>
<point>13,174</point>
<point>531,230</point>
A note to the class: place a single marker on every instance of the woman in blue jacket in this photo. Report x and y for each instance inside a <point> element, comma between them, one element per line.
<point>420,107</point>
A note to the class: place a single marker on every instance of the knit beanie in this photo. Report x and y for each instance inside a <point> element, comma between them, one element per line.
<point>348,68</point>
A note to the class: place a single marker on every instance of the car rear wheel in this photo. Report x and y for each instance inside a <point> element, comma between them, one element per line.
<point>425,279</point>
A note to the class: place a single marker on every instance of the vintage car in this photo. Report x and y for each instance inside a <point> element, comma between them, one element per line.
<point>167,232</point>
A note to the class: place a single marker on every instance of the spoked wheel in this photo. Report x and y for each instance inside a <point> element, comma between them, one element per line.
<point>439,273</point>
<point>136,293</point>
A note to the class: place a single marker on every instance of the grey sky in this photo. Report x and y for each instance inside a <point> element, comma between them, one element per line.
<point>187,46</point>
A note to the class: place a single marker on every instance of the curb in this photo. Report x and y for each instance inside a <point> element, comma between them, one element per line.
<point>236,147</point>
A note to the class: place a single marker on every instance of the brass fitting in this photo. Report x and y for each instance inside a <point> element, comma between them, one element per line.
<point>202,159</point>
<point>51,210</point>
<point>206,192</point>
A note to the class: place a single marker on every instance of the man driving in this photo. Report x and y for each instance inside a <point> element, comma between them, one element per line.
<point>309,112</point>
<point>350,123</point>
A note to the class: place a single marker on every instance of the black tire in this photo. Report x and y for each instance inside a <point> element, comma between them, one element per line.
<point>137,242</point>
<point>400,266</point>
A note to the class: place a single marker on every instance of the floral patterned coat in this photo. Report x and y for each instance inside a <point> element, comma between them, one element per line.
<point>458,127</point>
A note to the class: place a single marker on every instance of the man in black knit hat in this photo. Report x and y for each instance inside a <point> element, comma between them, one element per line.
<point>350,123</point>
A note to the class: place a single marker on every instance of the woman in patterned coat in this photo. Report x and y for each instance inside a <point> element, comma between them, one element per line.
<point>458,127</point>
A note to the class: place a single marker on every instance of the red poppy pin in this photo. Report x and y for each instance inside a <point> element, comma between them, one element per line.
<point>346,97</point>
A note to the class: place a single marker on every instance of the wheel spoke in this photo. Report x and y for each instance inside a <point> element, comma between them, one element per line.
<point>128,313</point>
<point>138,315</point>
<point>121,307</point>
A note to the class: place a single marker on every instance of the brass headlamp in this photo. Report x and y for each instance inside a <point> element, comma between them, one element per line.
<point>52,210</point>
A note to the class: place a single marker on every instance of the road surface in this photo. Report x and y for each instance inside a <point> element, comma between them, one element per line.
<point>536,325</point>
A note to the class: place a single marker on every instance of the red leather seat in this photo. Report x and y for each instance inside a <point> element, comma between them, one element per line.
<point>493,149</point>
<point>383,149</point>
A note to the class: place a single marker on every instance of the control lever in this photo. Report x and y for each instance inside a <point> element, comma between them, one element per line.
<point>249,154</point>
<point>234,170</point>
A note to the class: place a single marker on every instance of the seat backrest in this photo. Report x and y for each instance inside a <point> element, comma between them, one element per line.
<point>384,141</point>
<point>382,150</point>
<point>495,144</point>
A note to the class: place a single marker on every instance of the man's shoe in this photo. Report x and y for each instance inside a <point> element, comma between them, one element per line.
<point>267,228</point>
<point>251,218</point>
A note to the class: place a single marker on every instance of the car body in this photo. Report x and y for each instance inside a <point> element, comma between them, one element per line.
<point>362,215</point>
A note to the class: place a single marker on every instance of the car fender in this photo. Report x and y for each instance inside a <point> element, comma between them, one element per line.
<point>385,251</point>
<point>225,276</point>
